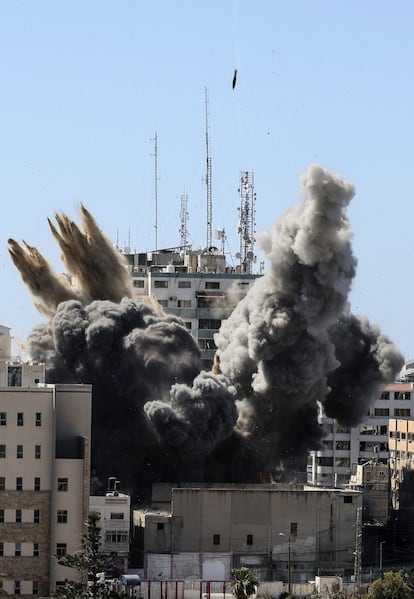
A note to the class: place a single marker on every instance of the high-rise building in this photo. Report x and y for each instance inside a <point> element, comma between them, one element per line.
<point>44,474</point>
<point>196,286</point>
<point>344,447</point>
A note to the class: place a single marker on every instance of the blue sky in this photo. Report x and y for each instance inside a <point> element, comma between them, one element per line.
<point>85,86</point>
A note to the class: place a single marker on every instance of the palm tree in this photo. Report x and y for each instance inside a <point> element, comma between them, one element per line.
<point>244,583</point>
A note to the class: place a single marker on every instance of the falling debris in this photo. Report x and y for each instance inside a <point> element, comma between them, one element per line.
<point>289,346</point>
<point>234,78</point>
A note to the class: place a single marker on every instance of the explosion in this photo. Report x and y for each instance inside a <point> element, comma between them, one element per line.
<point>288,347</point>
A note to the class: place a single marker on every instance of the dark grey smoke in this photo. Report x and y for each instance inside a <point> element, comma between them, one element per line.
<point>289,346</point>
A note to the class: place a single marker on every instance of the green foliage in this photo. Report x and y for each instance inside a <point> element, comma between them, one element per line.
<point>391,586</point>
<point>336,592</point>
<point>244,583</point>
<point>89,561</point>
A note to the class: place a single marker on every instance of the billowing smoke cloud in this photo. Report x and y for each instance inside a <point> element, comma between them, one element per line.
<point>289,346</point>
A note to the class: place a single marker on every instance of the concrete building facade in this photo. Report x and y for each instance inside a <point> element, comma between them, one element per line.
<point>344,448</point>
<point>281,532</point>
<point>44,476</point>
<point>114,509</point>
<point>196,286</point>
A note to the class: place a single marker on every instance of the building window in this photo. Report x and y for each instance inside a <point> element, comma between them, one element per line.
<point>117,516</point>
<point>184,284</point>
<point>209,323</point>
<point>38,419</point>
<point>163,303</point>
<point>160,525</point>
<point>139,283</point>
<point>402,412</point>
<point>19,451</point>
<point>385,395</point>
<point>249,540</point>
<point>19,483</point>
<point>37,452</point>
<point>20,419</point>
<point>36,516</point>
<point>324,461</point>
<point>348,499</point>
<point>1,549</point>
<point>212,285</point>
<point>160,284</point>
<point>2,451</point>
<point>14,376</point>
<point>17,549</point>
<point>62,516</point>
<point>3,418</point>
<point>60,549</point>
<point>18,515</point>
<point>342,429</point>
<point>402,395</point>
<point>381,412</point>
<point>216,539</point>
<point>1,515</point>
<point>35,587</point>
<point>62,484</point>
<point>342,445</point>
<point>206,344</point>
<point>17,589</point>
<point>116,536</point>
<point>188,325</point>
<point>35,549</point>
<point>2,483</point>
<point>37,483</point>
<point>184,304</point>
<point>293,528</point>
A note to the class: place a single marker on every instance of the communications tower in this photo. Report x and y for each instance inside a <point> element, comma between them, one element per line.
<point>247,221</point>
<point>183,220</point>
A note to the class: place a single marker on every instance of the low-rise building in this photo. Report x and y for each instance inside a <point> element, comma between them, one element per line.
<point>280,531</point>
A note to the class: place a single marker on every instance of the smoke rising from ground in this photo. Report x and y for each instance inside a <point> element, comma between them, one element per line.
<point>289,346</point>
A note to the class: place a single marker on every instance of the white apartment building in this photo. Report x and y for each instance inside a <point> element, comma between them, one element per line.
<point>196,286</point>
<point>44,474</point>
<point>344,448</point>
<point>114,509</point>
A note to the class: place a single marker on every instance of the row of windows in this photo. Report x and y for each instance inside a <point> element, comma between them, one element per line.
<point>35,514</point>
<point>397,412</point>
<point>19,451</point>
<point>397,395</point>
<point>17,551</point>
<point>163,284</point>
<point>19,483</point>
<point>62,484</point>
<point>20,419</point>
<point>329,461</point>
<point>401,435</point>
<point>16,588</point>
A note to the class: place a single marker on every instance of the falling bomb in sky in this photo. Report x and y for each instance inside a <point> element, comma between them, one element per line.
<point>289,347</point>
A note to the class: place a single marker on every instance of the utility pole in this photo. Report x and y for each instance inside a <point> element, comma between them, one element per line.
<point>155,140</point>
<point>380,557</point>
<point>208,180</point>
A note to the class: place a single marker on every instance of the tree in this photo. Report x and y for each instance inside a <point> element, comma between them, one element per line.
<point>90,562</point>
<point>391,586</point>
<point>244,583</point>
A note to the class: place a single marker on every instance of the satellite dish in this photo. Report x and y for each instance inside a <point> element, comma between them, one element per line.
<point>219,233</point>
<point>238,255</point>
<point>250,255</point>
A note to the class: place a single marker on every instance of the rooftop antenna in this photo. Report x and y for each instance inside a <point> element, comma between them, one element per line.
<point>155,140</point>
<point>183,220</point>
<point>208,179</point>
<point>247,222</point>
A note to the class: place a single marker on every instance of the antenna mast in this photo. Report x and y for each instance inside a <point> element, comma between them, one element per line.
<point>208,180</point>
<point>155,140</point>
<point>247,221</point>
<point>183,220</point>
